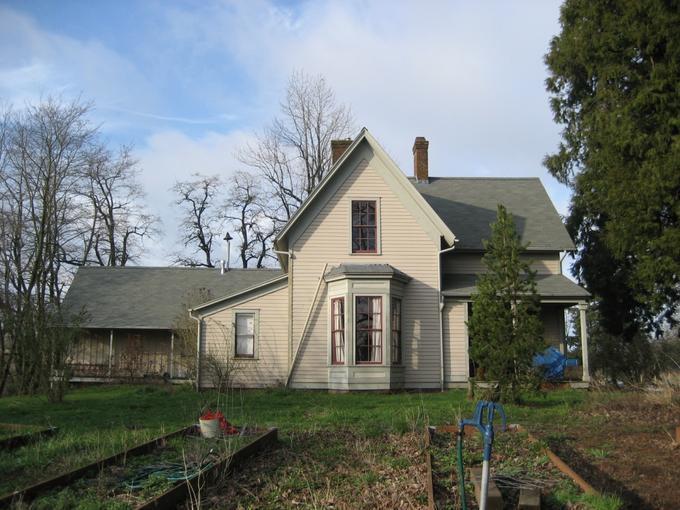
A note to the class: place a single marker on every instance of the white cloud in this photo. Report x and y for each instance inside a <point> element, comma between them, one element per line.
<point>172,156</point>
<point>35,63</point>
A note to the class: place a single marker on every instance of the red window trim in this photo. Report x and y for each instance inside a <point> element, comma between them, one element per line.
<point>334,360</point>
<point>374,227</point>
<point>396,328</point>
<point>379,329</point>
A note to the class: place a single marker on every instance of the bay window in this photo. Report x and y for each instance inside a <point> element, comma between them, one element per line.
<point>396,331</point>
<point>368,330</point>
<point>338,331</point>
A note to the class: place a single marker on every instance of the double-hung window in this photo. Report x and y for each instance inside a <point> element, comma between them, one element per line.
<point>368,331</point>
<point>338,331</point>
<point>364,226</point>
<point>245,335</point>
<point>396,331</point>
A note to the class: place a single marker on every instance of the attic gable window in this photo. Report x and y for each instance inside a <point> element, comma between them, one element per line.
<point>364,226</point>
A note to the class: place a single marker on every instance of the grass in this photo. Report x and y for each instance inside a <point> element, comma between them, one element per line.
<point>99,421</point>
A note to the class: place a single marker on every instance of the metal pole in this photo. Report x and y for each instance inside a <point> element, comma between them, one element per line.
<point>228,252</point>
<point>485,485</point>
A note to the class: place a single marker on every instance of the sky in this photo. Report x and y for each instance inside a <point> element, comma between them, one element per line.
<point>188,83</point>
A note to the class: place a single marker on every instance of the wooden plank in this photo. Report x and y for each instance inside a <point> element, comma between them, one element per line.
<point>16,441</point>
<point>181,492</point>
<point>32,491</point>
<point>561,465</point>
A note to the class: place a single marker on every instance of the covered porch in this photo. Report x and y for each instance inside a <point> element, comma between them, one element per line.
<point>558,294</point>
<point>103,355</point>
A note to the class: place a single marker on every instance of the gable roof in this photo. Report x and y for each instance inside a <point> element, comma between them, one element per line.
<point>149,297</point>
<point>469,205</point>
<point>365,136</point>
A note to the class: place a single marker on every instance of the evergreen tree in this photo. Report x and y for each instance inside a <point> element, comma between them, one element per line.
<point>614,75</point>
<point>505,329</point>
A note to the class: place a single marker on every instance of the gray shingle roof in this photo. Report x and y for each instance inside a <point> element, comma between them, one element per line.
<point>149,297</point>
<point>468,207</point>
<point>554,286</point>
<point>366,269</point>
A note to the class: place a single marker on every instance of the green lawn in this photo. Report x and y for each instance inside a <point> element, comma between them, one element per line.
<point>98,421</point>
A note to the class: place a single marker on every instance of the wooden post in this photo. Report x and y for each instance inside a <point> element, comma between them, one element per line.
<point>582,307</point>
<point>110,352</point>
<point>172,354</point>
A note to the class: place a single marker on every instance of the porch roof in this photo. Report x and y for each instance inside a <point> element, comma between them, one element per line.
<point>553,286</point>
<point>149,297</point>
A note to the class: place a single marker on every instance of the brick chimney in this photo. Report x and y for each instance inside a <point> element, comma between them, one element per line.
<point>420,168</point>
<point>338,148</point>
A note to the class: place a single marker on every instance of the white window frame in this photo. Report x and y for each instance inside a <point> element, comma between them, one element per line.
<point>256,333</point>
<point>378,229</point>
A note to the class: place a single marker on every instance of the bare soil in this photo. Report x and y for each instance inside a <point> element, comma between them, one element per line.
<point>624,445</point>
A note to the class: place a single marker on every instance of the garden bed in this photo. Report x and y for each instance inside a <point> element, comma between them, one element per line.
<point>157,476</point>
<point>14,435</point>
<point>517,462</point>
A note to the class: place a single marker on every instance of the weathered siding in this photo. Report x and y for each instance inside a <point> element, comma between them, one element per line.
<point>471,263</point>
<point>404,243</point>
<point>269,367</point>
<point>455,342</point>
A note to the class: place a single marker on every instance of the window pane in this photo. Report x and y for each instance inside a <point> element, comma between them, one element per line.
<point>245,345</point>
<point>245,324</point>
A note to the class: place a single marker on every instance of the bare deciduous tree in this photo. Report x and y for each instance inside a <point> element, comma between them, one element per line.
<point>118,221</point>
<point>202,218</point>
<point>246,213</point>
<point>293,154</point>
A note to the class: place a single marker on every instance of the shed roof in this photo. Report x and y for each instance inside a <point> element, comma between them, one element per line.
<point>149,297</point>
<point>469,206</point>
<point>553,286</point>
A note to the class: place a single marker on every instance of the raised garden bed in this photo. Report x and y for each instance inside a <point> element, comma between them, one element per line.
<point>162,476</point>
<point>518,462</point>
<point>15,435</point>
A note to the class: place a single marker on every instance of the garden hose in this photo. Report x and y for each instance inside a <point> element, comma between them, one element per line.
<point>170,471</point>
<point>461,469</point>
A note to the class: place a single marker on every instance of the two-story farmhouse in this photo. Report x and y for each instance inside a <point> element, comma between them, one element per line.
<point>377,271</point>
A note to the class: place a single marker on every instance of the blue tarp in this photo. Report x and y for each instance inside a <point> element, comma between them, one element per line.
<point>553,363</point>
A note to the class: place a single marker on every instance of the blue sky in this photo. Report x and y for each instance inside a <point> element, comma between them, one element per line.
<point>187,83</point>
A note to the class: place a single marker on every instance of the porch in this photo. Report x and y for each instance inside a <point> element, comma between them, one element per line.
<point>102,355</point>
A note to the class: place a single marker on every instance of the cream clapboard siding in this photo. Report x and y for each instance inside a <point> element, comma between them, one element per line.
<point>455,345</point>
<point>404,244</point>
<point>471,263</point>
<point>271,363</point>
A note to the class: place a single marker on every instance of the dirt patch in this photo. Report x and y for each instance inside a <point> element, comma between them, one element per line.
<point>623,445</point>
<point>339,469</point>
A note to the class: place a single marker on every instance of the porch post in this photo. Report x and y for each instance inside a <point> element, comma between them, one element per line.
<point>582,307</point>
<point>172,354</point>
<point>110,352</point>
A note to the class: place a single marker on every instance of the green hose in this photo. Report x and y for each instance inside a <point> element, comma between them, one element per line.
<point>461,469</point>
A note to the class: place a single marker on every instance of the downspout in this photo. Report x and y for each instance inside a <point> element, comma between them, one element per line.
<point>198,349</point>
<point>289,254</point>
<point>441,317</point>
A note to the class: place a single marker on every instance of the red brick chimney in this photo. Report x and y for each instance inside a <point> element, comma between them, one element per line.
<point>338,148</point>
<point>420,168</point>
